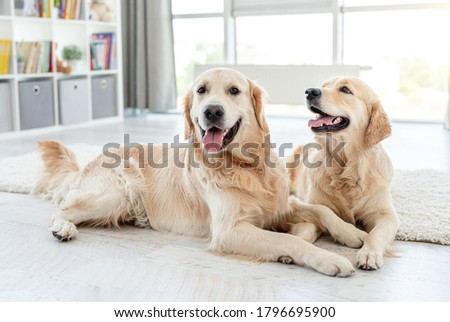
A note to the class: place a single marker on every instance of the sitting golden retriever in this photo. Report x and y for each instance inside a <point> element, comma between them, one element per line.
<point>348,171</point>
<point>223,188</point>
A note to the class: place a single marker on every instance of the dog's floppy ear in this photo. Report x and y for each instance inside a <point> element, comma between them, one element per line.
<point>379,126</point>
<point>188,125</point>
<point>257,95</point>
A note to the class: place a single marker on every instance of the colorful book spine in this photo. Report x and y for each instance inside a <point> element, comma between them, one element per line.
<point>44,8</point>
<point>37,8</point>
<point>93,64</point>
<point>5,53</point>
<point>39,3</point>
<point>69,9</point>
<point>2,53</point>
<point>61,9</point>
<point>78,10</point>
<point>51,46</point>
<point>2,56</point>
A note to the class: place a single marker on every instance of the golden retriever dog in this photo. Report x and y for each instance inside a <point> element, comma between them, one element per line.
<point>218,186</point>
<point>348,170</point>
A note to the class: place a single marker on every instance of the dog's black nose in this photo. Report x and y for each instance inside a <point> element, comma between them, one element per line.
<point>213,112</point>
<point>312,93</point>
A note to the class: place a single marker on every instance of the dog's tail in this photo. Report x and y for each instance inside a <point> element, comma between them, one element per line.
<point>60,170</point>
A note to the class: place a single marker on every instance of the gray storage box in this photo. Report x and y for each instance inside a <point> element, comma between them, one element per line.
<point>73,101</point>
<point>6,107</point>
<point>36,104</point>
<point>103,96</point>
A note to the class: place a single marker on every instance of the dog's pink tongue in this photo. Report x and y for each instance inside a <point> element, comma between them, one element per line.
<point>324,120</point>
<point>213,140</point>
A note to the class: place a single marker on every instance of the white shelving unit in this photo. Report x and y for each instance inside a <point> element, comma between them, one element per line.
<point>62,32</point>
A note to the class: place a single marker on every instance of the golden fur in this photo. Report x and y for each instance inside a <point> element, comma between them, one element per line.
<point>236,201</point>
<point>358,192</point>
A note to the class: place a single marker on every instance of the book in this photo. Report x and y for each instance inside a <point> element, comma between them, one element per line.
<point>37,56</point>
<point>41,60</point>
<point>113,54</point>
<point>60,9</point>
<point>30,8</point>
<point>78,10</point>
<point>44,9</point>
<point>93,64</point>
<point>48,57</point>
<point>18,7</point>
<point>72,9</point>
<point>2,54</point>
<point>99,53</point>
<point>33,8</point>
<point>102,50</point>
<point>39,6</point>
<point>50,60</point>
<point>5,53</point>
<point>29,65</point>
<point>69,9</point>
<point>23,50</point>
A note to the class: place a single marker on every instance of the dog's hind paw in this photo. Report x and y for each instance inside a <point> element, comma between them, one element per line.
<point>286,260</point>
<point>64,231</point>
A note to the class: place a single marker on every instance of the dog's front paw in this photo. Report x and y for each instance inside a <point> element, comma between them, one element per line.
<point>64,231</point>
<point>350,236</point>
<point>335,265</point>
<point>369,259</point>
<point>355,239</point>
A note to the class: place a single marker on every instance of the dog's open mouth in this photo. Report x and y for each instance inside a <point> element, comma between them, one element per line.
<point>216,139</point>
<point>327,123</point>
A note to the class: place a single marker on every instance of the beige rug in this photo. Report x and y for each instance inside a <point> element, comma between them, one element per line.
<point>421,197</point>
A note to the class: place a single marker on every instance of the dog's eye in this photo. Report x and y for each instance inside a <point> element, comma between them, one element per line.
<point>344,89</point>
<point>234,90</point>
<point>201,90</point>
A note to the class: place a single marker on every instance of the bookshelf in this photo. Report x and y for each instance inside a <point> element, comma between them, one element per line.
<point>61,32</point>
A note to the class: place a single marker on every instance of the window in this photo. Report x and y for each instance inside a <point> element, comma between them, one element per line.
<point>198,27</point>
<point>405,42</point>
<point>286,39</point>
<point>197,41</point>
<point>410,64</point>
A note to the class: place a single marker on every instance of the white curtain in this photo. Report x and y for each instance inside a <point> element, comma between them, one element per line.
<point>148,55</point>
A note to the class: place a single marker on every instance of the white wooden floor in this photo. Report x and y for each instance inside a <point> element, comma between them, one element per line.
<point>134,264</point>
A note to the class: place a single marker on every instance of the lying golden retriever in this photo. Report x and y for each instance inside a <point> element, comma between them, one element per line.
<point>223,189</point>
<point>348,171</point>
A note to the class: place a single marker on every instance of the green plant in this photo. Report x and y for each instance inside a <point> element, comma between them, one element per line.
<point>20,59</point>
<point>71,52</point>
